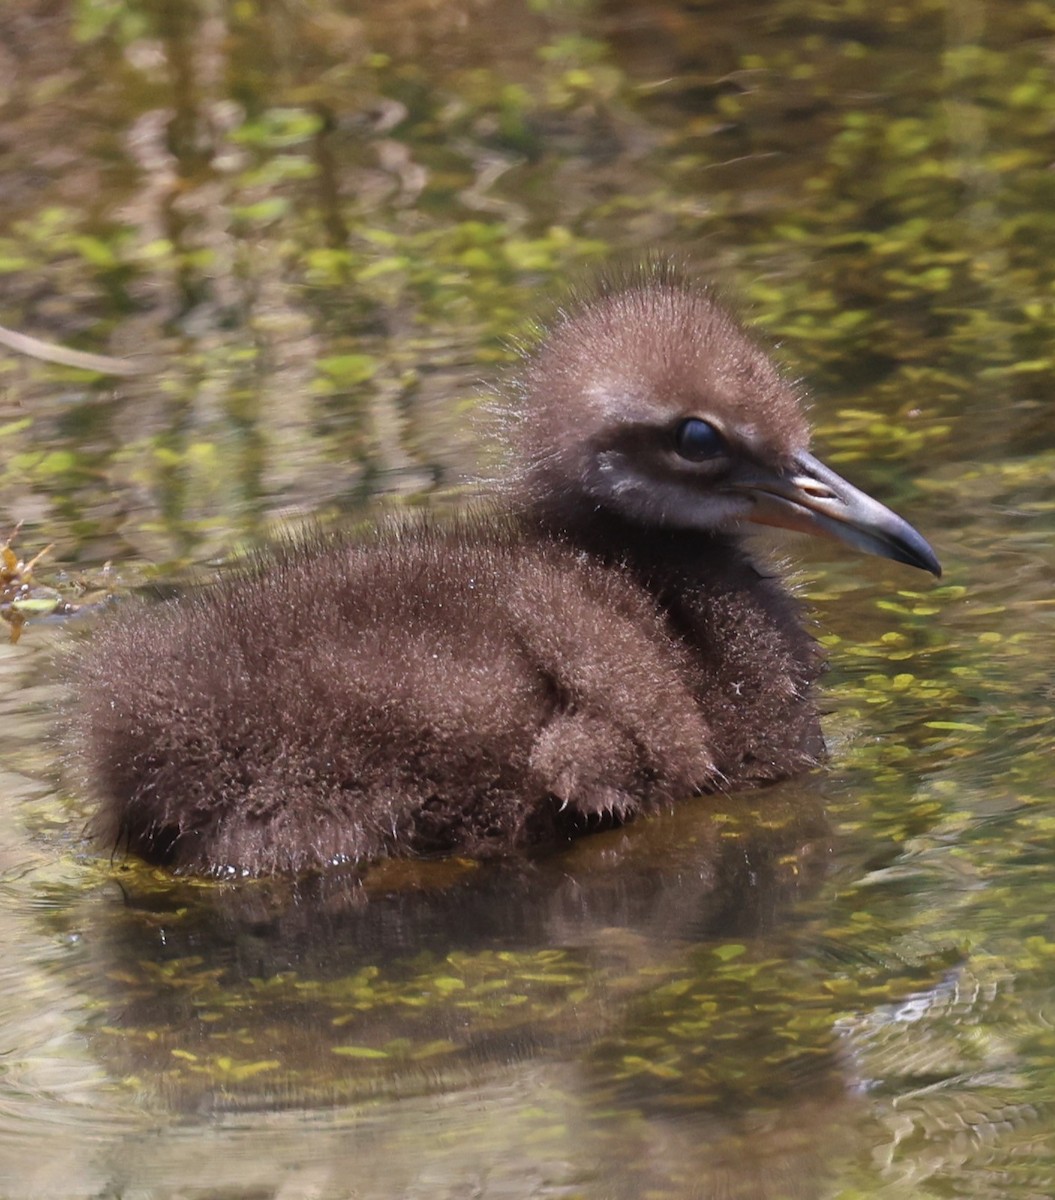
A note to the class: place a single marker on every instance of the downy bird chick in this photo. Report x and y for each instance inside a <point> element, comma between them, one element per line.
<point>593,644</point>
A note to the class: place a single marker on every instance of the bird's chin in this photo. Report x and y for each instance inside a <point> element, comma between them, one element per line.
<point>669,506</point>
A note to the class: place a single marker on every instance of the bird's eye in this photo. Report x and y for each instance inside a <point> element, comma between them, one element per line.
<point>698,440</point>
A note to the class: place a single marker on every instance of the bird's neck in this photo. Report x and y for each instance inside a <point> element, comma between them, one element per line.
<point>740,623</point>
<point>663,559</point>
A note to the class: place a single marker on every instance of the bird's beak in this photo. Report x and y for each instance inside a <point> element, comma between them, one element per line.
<point>813,499</point>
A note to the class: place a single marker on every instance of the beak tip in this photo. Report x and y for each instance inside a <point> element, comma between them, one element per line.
<point>912,552</point>
<point>920,554</point>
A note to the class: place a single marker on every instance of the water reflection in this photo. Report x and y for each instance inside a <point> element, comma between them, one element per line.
<point>431,968</point>
<point>644,974</point>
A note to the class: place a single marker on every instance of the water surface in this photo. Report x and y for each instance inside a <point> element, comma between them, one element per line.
<point>316,228</point>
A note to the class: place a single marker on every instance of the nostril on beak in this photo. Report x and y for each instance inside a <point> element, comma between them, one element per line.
<point>814,488</point>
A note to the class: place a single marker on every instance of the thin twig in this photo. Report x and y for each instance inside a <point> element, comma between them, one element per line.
<point>101,364</point>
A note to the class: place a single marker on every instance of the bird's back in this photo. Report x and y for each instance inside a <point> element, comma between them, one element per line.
<point>467,687</point>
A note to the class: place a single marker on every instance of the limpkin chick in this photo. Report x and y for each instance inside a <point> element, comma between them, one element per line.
<point>592,644</point>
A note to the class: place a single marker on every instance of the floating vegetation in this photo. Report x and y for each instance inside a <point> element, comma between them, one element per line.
<point>21,596</point>
<point>395,1030</point>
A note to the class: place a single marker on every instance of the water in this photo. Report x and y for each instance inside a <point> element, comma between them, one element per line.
<point>315,228</point>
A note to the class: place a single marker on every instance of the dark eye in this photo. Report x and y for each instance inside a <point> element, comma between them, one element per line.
<point>698,440</point>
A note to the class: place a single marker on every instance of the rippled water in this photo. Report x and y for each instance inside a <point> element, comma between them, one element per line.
<point>315,229</point>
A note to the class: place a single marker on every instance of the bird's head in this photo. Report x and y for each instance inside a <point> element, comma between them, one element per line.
<point>651,403</point>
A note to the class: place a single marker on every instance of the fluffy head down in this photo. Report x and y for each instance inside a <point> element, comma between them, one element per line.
<point>600,401</point>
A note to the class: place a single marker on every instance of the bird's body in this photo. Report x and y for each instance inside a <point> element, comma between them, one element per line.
<point>577,652</point>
